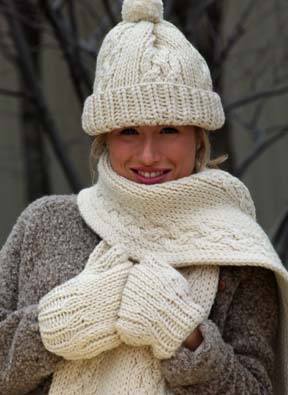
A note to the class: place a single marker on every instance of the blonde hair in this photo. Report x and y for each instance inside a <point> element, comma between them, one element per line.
<point>202,159</point>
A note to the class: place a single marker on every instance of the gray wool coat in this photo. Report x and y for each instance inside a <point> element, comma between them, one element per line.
<point>50,243</point>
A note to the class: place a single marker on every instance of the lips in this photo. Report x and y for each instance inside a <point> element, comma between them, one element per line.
<point>151,176</point>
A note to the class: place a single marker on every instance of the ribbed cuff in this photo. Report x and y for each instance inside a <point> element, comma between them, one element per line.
<point>177,324</point>
<point>204,364</point>
<point>152,104</point>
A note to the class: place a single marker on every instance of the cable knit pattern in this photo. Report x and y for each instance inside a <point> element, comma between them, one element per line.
<point>158,307</point>
<point>195,205</point>
<point>211,221</point>
<point>135,215</point>
<point>71,324</point>
<point>41,254</point>
<point>148,73</point>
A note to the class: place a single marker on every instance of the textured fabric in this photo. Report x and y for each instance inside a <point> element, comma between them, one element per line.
<point>207,217</point>
<point>158,308</point>
<point>242,329</point>
<point>218,226</point>
<point>72,325</point>
<point>139,10</point>
<point>148,73</point>
<point>39,255</point>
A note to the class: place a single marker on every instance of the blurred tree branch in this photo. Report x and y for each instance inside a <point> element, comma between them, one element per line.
<point>27,72</point>
<point>280,237</point>
<point>15,94</point>
<point>66,34</point>
<point>262,95</point>
<point>278,133</point>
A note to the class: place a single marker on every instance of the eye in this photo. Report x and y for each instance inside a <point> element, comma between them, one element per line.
<point>128,132</point>
<point>169,130</point>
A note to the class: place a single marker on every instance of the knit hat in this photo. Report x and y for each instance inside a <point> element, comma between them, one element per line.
<point>148,73</point>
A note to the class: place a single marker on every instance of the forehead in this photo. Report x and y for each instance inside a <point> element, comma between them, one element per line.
<point>155,128</point>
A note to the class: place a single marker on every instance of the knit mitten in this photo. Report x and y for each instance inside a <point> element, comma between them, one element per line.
<point>77,318</point>
<point>157,308</point>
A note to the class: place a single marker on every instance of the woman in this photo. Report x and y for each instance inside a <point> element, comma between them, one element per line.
<point>157,279</point>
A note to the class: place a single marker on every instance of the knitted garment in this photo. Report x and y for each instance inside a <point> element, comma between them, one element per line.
<point>201,220</point>
<point>207,218</point>
<point>148,73</point>
<point>151,304</point>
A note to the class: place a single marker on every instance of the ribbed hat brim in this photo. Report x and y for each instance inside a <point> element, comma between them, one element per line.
<point>152,104</point>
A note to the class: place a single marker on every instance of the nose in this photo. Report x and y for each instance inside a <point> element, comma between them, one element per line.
<point>149,153</point>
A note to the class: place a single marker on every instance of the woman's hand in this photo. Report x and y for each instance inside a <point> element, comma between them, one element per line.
<point>157,308</point>
<point>77,318</point>
<point>194,340</point>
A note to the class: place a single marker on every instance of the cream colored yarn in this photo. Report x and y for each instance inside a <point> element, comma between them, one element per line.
<point>94,371</point>
<point>158,307</point>
<point>217,213</point>
<point>122,371</point>
<point>77,319</point>
<point>142,10</point>
<point>181,221</point>
<point>148,73</point>
<point>205,219</point>
<point>71,321</point>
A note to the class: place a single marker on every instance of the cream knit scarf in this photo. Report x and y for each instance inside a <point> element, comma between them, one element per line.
<point>194,224</point>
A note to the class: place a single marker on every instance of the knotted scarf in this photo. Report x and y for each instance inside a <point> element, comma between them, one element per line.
<point>152,280</point>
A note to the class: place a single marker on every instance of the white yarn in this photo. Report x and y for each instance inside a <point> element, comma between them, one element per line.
<point>181,221</point>
<point>142,10</point>
<point>194,223</point>
<point>123,371</point>
<point>150,74</point>
<point>77,319</point>
<point>159,308</point>
<point>207,218</point>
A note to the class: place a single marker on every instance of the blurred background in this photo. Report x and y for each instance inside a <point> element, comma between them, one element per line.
<point>48,50</point>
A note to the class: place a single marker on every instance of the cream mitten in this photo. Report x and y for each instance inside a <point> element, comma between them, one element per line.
<point>77,318</point>
<point>157,308</point>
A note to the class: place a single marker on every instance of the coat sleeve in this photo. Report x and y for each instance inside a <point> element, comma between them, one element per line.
<point>241,360</point>
<point>24,362</point>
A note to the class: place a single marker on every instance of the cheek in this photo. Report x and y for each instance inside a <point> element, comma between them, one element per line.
<point>184,157</point>
<point>118,154</point>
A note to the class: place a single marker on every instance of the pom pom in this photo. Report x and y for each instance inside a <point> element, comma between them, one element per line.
<point>142,10</point>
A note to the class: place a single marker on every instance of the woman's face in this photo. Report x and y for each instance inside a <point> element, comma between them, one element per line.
<point>153,154</point>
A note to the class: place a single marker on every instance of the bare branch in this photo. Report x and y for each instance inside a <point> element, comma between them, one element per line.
<point>15,94</point>
<point>238,31</point>
<point>109,12</point>
<point>27,71</point>
<point>261,148</point>
<point>280,237</point>
<point>58,4</point>
<point>63,32</point>
<point>261,95</point>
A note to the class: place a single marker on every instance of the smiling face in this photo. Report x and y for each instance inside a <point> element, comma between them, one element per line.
<point>153,154</point>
